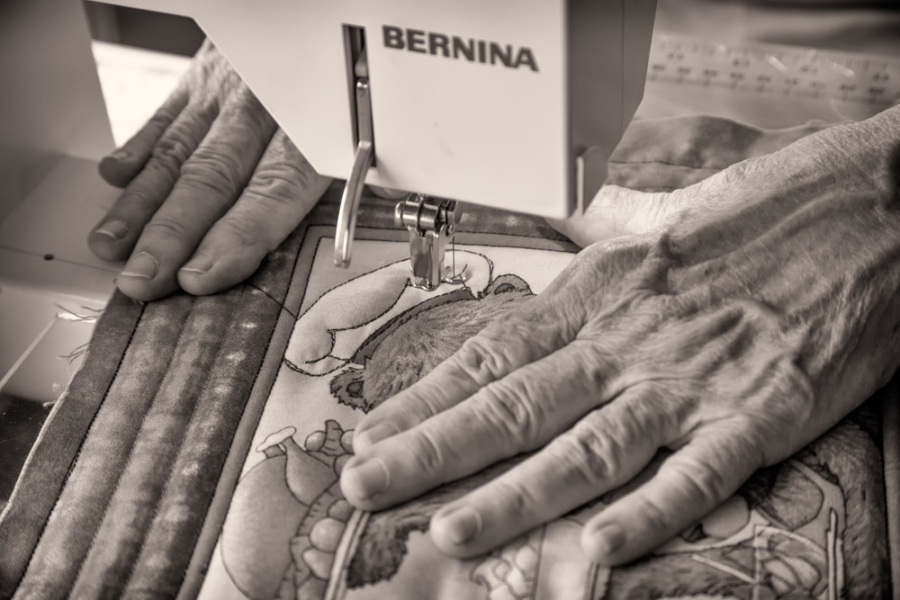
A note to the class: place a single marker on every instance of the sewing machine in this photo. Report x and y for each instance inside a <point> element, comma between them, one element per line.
<point>444,127</point>
<point>511,104</point>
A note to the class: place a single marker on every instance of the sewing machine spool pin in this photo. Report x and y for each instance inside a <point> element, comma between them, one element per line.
<point>432,224</point>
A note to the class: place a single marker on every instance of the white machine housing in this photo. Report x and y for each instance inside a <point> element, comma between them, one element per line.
<point>515,104</point>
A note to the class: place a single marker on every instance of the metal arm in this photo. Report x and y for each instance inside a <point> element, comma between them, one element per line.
<point>365,154</point>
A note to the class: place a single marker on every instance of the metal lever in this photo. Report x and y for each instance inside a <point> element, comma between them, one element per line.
<point>365,154</point>
<point>431,223</point>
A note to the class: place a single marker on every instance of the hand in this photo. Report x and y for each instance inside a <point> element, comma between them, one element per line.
<point>753,312</point>
<point>211,187</point>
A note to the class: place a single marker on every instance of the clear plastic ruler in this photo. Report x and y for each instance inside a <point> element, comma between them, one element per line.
<point>767,85</point>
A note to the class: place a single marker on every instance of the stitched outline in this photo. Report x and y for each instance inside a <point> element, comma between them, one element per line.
<point>272,298</point>
<point>332,332</point>
<point>118,481</point>
<point>265,351</point>
<point>129,572</point>
<point>80,447</point>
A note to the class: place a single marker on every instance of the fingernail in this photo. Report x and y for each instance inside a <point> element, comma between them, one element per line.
<point>376,433</point>
<point>607,539</point>
<point>461,524</point>
<point>119,155</point>
<point>114,228</point>
<point>367,480</point>
<point>199,264</point>
<point>140,265</point>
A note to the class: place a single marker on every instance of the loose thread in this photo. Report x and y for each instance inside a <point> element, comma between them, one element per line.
<point>273,299</point>
<point>68,314</point>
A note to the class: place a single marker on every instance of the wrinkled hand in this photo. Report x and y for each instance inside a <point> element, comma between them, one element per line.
<point>755,310</point>
<point>212,187</point>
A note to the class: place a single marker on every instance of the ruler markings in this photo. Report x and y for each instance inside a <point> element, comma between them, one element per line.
<point>799,72</point>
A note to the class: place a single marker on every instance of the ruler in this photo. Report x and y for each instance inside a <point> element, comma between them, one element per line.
<point>767,85</point>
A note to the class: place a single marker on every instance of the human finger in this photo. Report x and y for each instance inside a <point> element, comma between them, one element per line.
<point>123,164</point>
<point>604,450</point>
<point>515,414</point>
<point>116,234</point>
<point>283,189</point>
<point>208,185</point>
<point>518,338</point>
<point>690,484</point>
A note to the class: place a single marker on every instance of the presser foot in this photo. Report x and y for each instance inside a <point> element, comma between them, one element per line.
<point>431,223</point>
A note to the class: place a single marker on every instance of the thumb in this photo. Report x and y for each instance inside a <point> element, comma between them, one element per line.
<point>616,212</point>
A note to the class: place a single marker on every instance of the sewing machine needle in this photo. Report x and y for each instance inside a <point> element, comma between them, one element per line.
<point>453,254</point>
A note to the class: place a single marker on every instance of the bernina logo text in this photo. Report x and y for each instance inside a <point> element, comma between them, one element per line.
<point>451,46</point>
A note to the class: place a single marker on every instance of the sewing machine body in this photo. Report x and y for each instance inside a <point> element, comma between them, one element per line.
<point>515,104</point>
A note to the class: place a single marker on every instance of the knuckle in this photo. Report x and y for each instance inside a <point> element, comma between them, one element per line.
<point>170,152</point>
<point>163,164</point>
<point>596,363</point>
<point>280,182</point>
<point>214,167</point>
<point>512,415</point>
<point>144,198</point>
<point>166,228</point>
<point>518,501</point>
<point>481,360</point>
<point>653,515</point>
<point>243,234</point>
<point>427,404</point>
<point>589,456</point>
<point>427,455</point>
<point>204,183</point>
<point>660,411</point>
<point>703,484</point>
<point>161,119</point>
